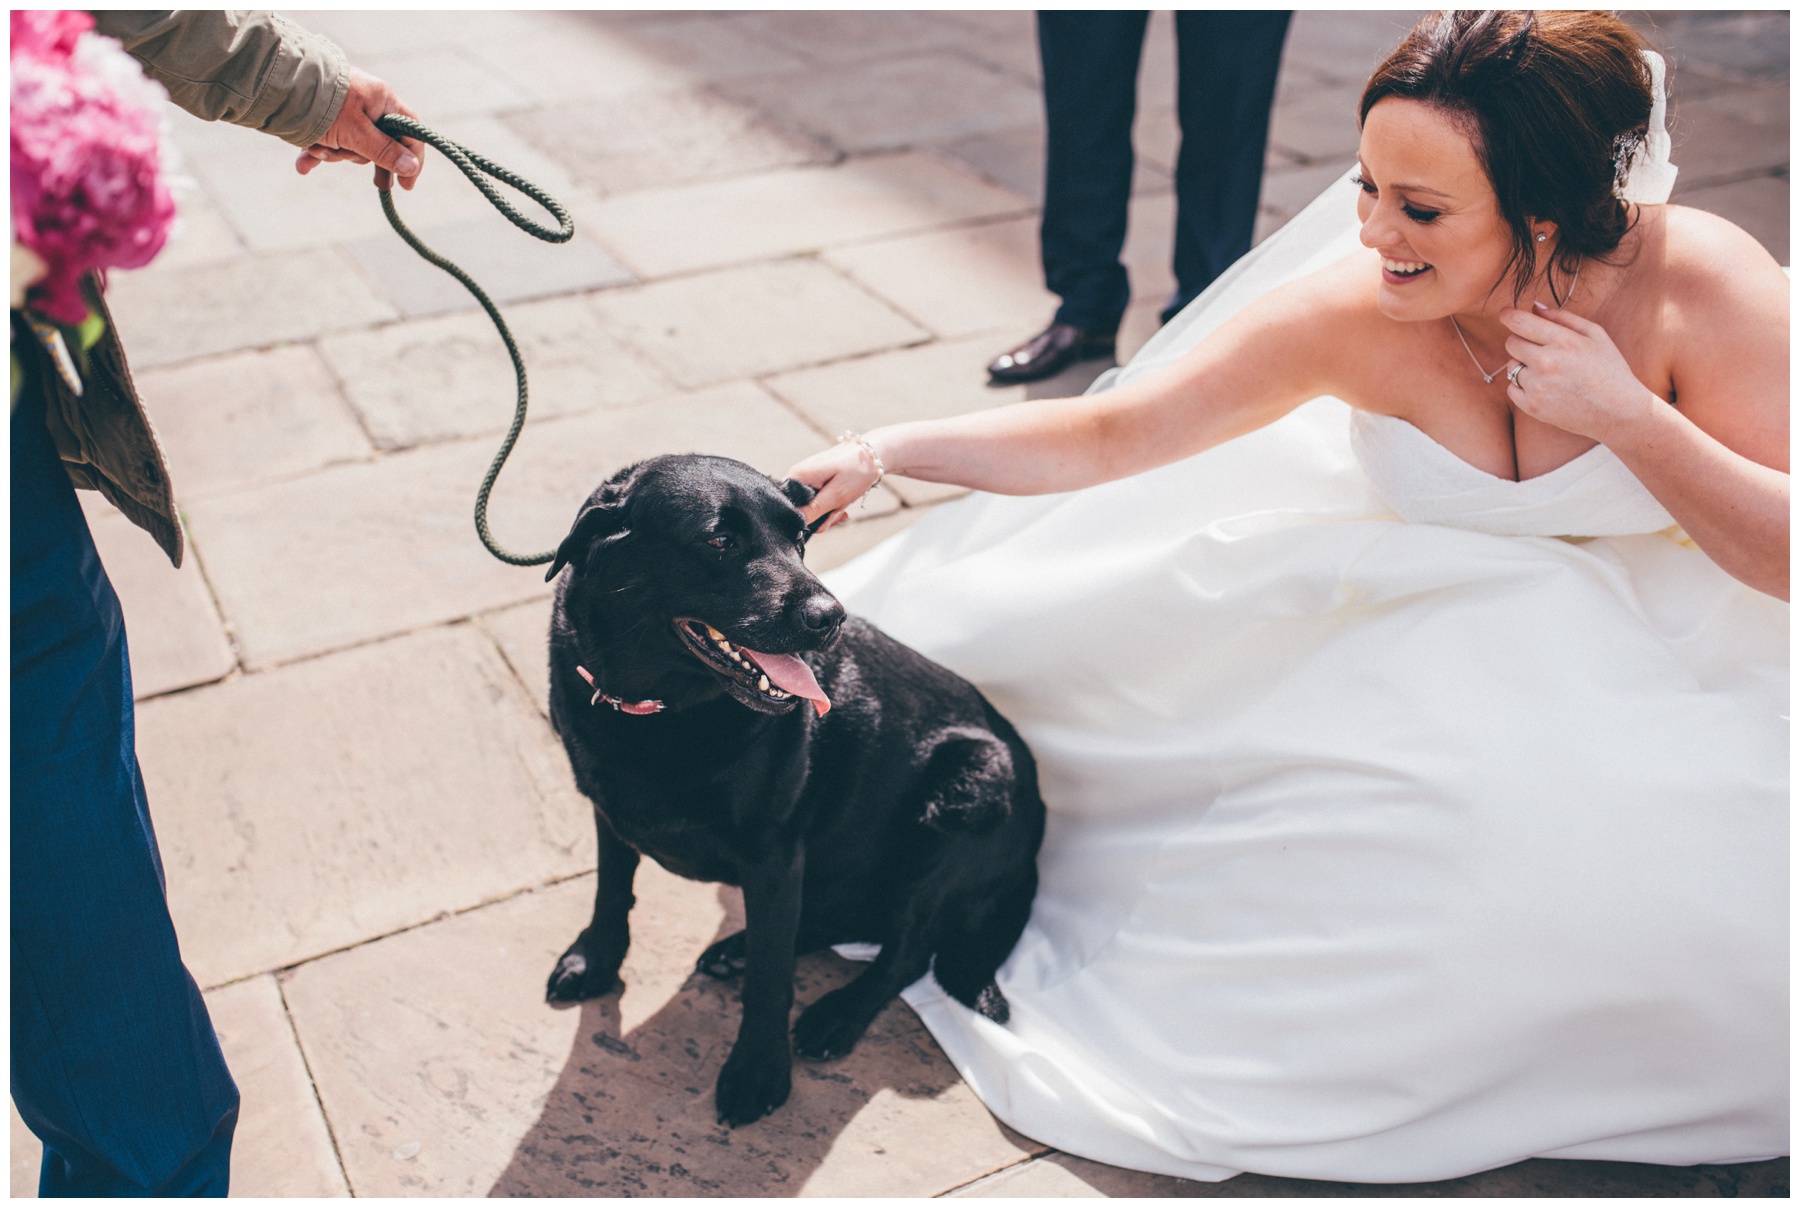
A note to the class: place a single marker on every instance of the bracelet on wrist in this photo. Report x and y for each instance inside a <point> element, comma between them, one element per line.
<point>857,439</point>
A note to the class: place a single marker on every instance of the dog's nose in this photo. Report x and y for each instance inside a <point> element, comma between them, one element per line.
<point>822,614</point>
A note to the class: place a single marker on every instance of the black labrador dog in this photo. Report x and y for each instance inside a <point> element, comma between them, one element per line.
<point>728,720</point>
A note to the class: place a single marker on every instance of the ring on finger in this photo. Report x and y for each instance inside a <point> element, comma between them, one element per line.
<point>1512,375</point>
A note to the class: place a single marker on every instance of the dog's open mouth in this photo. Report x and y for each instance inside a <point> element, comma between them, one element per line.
<point>766,682</point>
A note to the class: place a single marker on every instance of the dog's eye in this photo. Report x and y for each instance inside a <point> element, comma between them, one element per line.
<point>720,541</point>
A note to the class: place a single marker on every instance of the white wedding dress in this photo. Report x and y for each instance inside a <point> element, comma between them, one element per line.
<point>1404,821</point>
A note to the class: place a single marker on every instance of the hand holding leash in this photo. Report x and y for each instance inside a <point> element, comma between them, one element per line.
<point>357,137</point>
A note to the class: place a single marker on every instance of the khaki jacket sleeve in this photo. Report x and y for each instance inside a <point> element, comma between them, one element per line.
<point>251,68</point>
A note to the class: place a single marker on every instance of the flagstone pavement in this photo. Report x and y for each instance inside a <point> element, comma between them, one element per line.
<point>789,223</point>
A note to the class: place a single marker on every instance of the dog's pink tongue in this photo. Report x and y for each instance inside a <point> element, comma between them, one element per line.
<point>790,675</point>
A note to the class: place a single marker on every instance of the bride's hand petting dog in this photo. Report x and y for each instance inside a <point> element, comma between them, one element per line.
<point>729,721</point>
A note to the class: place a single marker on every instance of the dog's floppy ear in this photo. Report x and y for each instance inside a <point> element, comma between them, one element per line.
<point>797,492</point>
<point>601,520</point>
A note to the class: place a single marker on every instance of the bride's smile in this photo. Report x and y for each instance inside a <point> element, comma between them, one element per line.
<point>1429,213</point>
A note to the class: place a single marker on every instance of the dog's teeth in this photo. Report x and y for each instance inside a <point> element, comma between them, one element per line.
<point>762,681</point>
<point>713,633</point>
<point>725,646</point>
<point>736,657</point>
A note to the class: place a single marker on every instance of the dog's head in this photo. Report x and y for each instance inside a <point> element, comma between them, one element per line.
<point>686,580</point>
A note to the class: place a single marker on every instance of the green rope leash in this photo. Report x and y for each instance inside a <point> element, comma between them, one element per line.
<point>399,125</point>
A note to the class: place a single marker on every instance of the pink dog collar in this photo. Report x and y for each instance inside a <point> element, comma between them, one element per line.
<point>638,708</point>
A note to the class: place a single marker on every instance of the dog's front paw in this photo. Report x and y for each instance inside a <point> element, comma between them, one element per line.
<point>577,979</point>
<point>725,958</point>
<point>752,1085</point>
<point>831,1027</point>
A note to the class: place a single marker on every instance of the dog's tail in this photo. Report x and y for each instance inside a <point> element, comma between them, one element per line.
<point>972,947</point>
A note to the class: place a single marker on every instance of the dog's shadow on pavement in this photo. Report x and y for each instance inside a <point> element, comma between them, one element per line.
<point>632,1113</point>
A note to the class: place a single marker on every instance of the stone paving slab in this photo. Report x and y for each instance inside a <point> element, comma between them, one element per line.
<point>1014,160</point>
<point>958,282</point>
<point>1004,39</point>
<point>1143,319</point>
<point>494,137</point>
<point>1156,138</point>
<point>250,417</point>
<point>26,1153</point>
<point>173,631</point>
<point>358,553</point>
<point>1759,205</point>
<point>251,179</point>
<point>200,234</point>
<point>440,1037</point>
<point>567,60</point>
<point>1730,47</point>
<point>783,213</point>
<point>432,1050</point>
<point>509,266</point>
<point>654,139</point>
<point>445,82</point>
<point>406,778</point>
<point>522,634</point>
<point>1158,67</point>
<point>1150,247</point>
<point>361,552</point>
<point>710,49</point>
<point>1287,190</point>
<point>1318,123</point>
<point>441,378</point>
<point>849,37</point>
<point>754,320</point>
<point>282,1146</point>
<point>247,302</point>
<point>1729,133</point>
<point>364,32</point>
<point>1344,45</point>
<point>889,104</point>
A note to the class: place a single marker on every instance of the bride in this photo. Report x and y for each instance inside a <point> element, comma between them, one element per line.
<point>1410,698</point>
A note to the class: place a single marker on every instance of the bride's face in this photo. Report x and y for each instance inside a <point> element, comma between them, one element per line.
<point>1427,208</point>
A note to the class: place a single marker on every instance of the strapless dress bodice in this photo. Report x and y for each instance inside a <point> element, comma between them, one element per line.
<point>1594,495</point>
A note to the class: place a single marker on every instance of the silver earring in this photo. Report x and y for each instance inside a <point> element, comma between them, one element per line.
<point>1540,236</point>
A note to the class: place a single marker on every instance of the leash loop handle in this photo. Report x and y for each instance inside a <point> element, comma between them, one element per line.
<point>398,125</point>
<point>474,166</point>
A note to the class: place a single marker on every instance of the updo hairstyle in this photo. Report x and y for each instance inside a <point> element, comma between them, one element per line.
<point>1555,103</point>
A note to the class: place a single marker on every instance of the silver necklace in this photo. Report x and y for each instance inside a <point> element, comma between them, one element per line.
<point>1487,377</point>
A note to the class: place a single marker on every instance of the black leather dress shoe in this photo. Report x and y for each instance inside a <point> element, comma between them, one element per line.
<point>1049,352</point>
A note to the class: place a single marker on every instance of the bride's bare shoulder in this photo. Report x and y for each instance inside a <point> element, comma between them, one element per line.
<point>1323,329</point>
<point>1712,271</point>
<point>1336,304</point>
<point>1723,304</point>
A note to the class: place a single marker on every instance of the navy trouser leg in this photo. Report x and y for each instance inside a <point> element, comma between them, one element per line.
<point>1229,62</point>
<point>1090,62</point>
<point>115,1065</point>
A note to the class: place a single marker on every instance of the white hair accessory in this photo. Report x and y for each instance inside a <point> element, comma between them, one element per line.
<point>1652,176</point>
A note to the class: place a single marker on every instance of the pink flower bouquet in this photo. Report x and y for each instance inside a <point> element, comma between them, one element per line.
<point>87,182</point>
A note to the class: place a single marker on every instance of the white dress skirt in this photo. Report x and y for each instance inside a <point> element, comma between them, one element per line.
<point>1404,821</point>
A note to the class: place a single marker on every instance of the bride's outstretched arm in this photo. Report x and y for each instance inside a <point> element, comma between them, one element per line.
<point>1257,367</point>
<point>1717,460</point>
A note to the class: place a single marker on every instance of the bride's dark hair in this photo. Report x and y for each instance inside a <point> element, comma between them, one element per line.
<point>1555,104</point>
